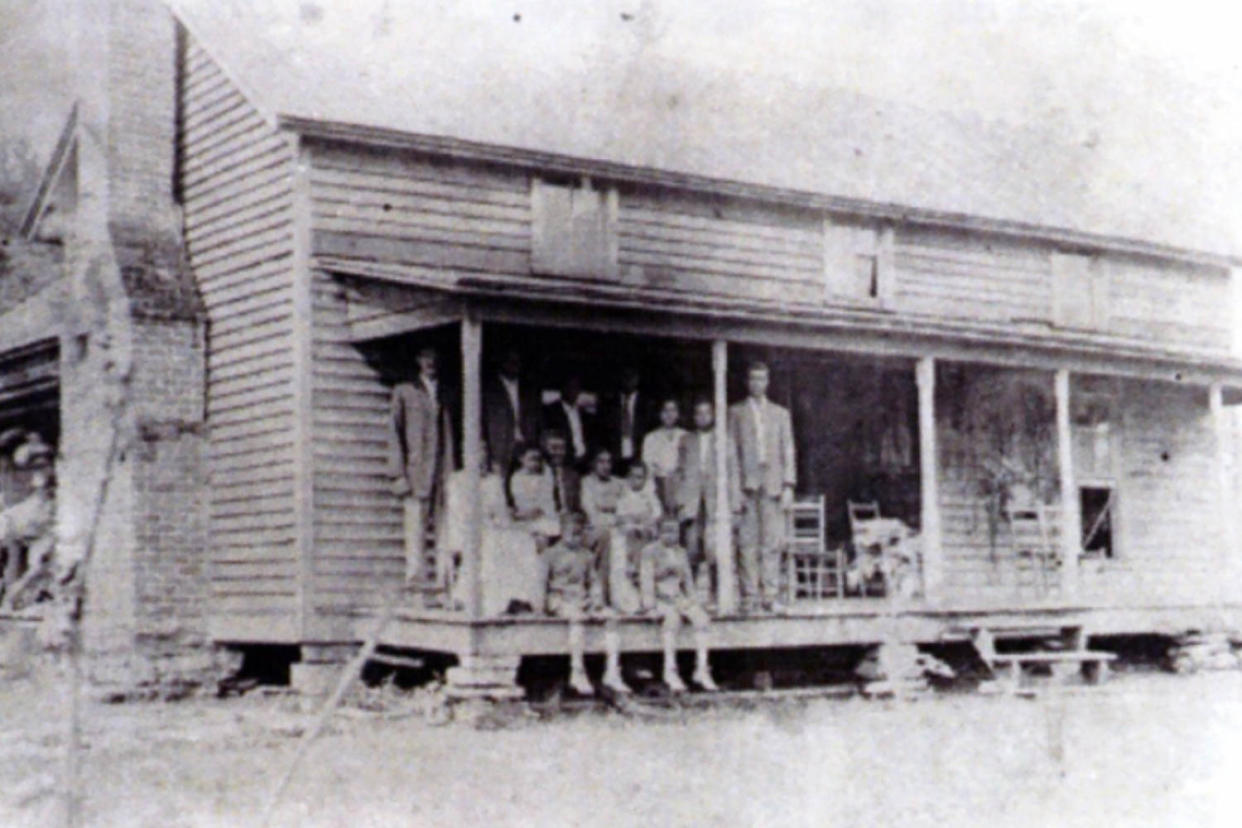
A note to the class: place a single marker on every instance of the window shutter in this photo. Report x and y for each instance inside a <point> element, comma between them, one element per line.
<point>1072,291</point>
<point>574,230</point>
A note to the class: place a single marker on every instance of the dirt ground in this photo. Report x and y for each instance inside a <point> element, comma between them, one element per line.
<point>1145,749</point>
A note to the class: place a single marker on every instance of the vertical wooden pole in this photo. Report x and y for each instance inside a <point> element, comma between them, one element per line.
<point>1071,508</point>
<point>929,488</point>
<point>1224,469</point>
<point>726,586</point>
<point>472,456</point>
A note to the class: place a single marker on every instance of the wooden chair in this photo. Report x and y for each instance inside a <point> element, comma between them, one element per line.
<point>811,570</point>
<point>1034,553</point>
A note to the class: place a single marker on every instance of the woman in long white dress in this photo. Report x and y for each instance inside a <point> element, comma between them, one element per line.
<point>508,556</point>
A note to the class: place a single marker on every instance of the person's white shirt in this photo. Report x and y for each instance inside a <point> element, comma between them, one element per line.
<point>627,438</point>
<point>574,417</point>
<point>660,450</point>
<point>756,408</point>
<point>433,389</point>
<point>511,388</point>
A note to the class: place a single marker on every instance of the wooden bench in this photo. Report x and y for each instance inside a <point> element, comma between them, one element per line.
<point>1094,663</point>
<point>1073,650</point>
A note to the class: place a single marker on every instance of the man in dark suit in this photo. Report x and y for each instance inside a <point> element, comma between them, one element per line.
<point>567,417</point>
<point>510,412</point>
<point>762,436</point>
<point>695,485</point>
<point>566,482</point>
<point>630,415</point>
<point>420,457</point>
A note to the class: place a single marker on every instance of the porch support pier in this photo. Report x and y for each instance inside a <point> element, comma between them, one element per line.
<point>726,593</point>
<point>472,457</point>
<point>478,674</point>
<point>929,491</point>
<point>1071,517</point>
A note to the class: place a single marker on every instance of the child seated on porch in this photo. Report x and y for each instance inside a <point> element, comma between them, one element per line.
<point>599,494</point>
<point>574,590</point>
<point>667,586</point>
<point>637,515</point>
<point>534,498</point>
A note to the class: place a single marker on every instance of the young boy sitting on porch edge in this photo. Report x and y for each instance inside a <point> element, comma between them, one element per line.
<point>667,586</point>
<point>575,591</point>
<point>638,514</point>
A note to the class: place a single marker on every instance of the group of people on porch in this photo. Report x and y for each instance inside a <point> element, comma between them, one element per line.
<point>643,487</point>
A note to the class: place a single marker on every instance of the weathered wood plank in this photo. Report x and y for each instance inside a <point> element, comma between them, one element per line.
<point>413,166</point>
<point>387,194</point>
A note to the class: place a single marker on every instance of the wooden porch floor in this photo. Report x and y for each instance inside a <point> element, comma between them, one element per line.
<point>806,624</point>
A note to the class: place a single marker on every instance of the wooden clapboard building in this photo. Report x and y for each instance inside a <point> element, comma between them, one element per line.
<point>962,329</point>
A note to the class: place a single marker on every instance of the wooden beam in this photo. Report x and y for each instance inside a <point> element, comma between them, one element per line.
<point>726,589</point>
<point>929,489</point>
<point>625,309</point>
<point>1224,468</point>
<point>1071,517</point>
<point>472,456</point>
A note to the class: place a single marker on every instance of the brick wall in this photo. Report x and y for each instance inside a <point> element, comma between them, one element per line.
<point>170,520</point>
<point>141,101</point>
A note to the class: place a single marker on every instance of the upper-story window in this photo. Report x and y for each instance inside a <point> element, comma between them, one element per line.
<point>1079,292</point>
<point>857,263</point>
<point>575,229</point>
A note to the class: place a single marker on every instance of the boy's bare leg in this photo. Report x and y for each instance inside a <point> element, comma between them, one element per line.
<point>612,655</point>
<point>668,636</point>
<point>702,669</point>
<point>578,681</point>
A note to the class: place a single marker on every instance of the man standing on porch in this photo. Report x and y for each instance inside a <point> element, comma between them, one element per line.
<point>566,416</point>
<point>510,412</point>
<point>420,457</point>
<point>629,420</point>
<point>762,435</point>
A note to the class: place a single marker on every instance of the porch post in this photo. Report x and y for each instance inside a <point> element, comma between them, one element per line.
<point>726,597</point>
<point>472,456</point>
<point>1224,470</point>
<point>1071,517</point>
<point>929,489</point>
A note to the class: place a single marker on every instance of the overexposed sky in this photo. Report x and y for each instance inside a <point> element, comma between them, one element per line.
<point>1142,80</point>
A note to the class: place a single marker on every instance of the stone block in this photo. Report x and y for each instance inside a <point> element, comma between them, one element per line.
<point>314,680</point>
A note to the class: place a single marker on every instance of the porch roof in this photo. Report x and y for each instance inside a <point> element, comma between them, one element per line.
<point>626,306</point>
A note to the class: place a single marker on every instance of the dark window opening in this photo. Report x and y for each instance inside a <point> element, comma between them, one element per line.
<point>1098,506</point>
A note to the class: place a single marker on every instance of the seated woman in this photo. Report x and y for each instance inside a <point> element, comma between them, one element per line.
<point>661,448</point>
<point>508,557</point>
<point>534,496</point>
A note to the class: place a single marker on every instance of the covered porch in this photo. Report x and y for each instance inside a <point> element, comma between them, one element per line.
<point>850,389</point>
